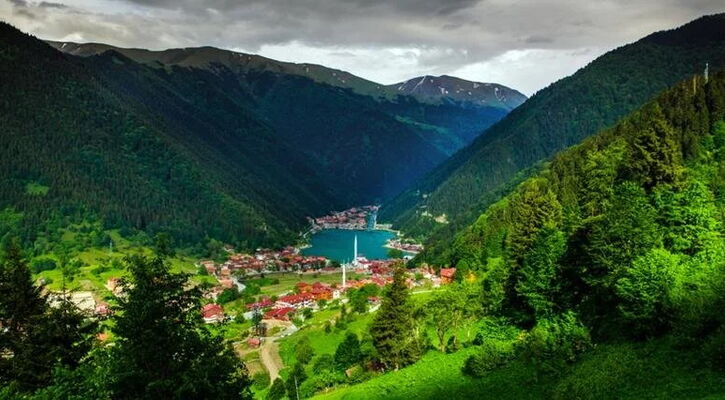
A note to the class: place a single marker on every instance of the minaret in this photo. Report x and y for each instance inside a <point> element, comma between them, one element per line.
<point>343,275</point>
<point>354,255</point>
<point>707,71</point>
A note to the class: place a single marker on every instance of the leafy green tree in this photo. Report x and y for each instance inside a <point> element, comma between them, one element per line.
<point>304,351</point>
<point>532,208</point>
<point>162,348</point>
<point>359,297</point>
<point>294,381</point>
<point>395,253</point>
<point>348,352</point>
<point>444,313</point>
<point>393,327</point>
<point>228,295</point>
<point>164,245</point>
<point>626,230</point>
<point>644,291</point>
<point>277,391</point>
<point>538,275</point>
<point>22,309</point>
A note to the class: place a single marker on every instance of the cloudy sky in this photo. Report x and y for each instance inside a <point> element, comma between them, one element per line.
<point>525,44</point>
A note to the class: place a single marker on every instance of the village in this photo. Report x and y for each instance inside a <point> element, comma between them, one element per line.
<point>357,218</point>
<point>307,293</point>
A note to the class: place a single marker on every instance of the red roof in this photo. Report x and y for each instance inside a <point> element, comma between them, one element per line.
<point>296,298</point>
<point>212,310</point>
<point>278,312</point>
<point>448,272</point>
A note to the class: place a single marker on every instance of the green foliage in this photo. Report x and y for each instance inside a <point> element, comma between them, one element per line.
<point>35,337</point>
<point>162,348</point>
<point>393,328</point>
<point>359,297</point>
<point>304,351</point>
<point>260,380</point>
<point>348,352</point>
<point>41,264</point>
<point>601,94</point>
<point>644,290</point>
<point>277,391</point>
<point>490,355</point>
<point>555,341</point>
<point>395,253</point>
<point>539,273</point>
<point>228,295</point>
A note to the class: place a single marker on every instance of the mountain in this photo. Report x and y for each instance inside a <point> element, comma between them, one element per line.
<point>205,143</point>
<point>561,115</point>
<point>135,154</point>
<point>447,125</point>
<point>451,89</point>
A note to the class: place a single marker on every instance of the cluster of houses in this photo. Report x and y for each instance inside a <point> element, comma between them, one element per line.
<point>352,218</point>
<point>264,261</point>
<point>397,243</point>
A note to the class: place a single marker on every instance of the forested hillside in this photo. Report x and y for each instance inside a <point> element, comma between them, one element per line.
<point>586,281</point>
<point>366,139</point>
<point>626,228</point>
<point>139,156</point>
<point>556,117</point>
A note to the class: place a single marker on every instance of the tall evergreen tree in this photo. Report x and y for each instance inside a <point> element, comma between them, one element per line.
<point>162,348</point>
<point>393,328</point>
<point>22,307</point>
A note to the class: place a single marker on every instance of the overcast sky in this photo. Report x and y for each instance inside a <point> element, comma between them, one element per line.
<point>524,44</point>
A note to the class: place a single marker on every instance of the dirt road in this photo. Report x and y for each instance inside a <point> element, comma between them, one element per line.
<point>269,354</point>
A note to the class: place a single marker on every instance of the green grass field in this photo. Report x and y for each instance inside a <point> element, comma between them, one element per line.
<point>654,370</point>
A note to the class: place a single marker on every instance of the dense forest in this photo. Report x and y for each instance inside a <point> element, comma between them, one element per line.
<point>555,118</point>
<point>78,150</point>
<point>625,229</point>
<point>352,131</point>
<point>203,153</point>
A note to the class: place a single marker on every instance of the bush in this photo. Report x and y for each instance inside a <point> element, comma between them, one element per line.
<point>228,295</point>
<point>277,391</point>
<point>41,264</point>
<point>556,340</point>
<point>260,380</point>
<point>491,355</point>
<point>304,351</point>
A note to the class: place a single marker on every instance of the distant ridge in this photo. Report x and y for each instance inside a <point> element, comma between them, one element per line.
<point>450,88</point>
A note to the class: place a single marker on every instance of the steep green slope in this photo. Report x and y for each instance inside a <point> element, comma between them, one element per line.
<point>609,261</point>
<point>139,158</point>
<point>342,123</point>
<point>555,118</point>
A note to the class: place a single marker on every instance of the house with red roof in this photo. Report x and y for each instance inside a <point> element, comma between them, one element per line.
<point>212,313</point>
<point>447,275</point>
<point>281,314</point>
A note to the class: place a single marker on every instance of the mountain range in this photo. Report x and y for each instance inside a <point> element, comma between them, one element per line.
<point>456,192</point>
<point>206,142</point>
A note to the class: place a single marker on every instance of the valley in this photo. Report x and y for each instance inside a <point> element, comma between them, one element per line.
<point>192,220</point>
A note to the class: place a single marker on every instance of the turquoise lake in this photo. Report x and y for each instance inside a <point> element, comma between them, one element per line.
<point>337,244</point>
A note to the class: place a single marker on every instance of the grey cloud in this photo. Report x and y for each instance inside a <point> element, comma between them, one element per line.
<point>46,4</point>
<point>442,35</point>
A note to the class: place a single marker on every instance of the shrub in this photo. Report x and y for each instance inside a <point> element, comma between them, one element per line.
<point>304,351</point>
<point>228,295</point>
<point>260,380</point>
<point>556,340</point>
<point>491,355</point>
<point>41,264</point>
<point>277,391</point>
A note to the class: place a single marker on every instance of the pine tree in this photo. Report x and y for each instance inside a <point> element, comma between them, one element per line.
<point>393,328</point>
<point>162,348</point>
<point>22,309</point>
<point>348,352</point>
